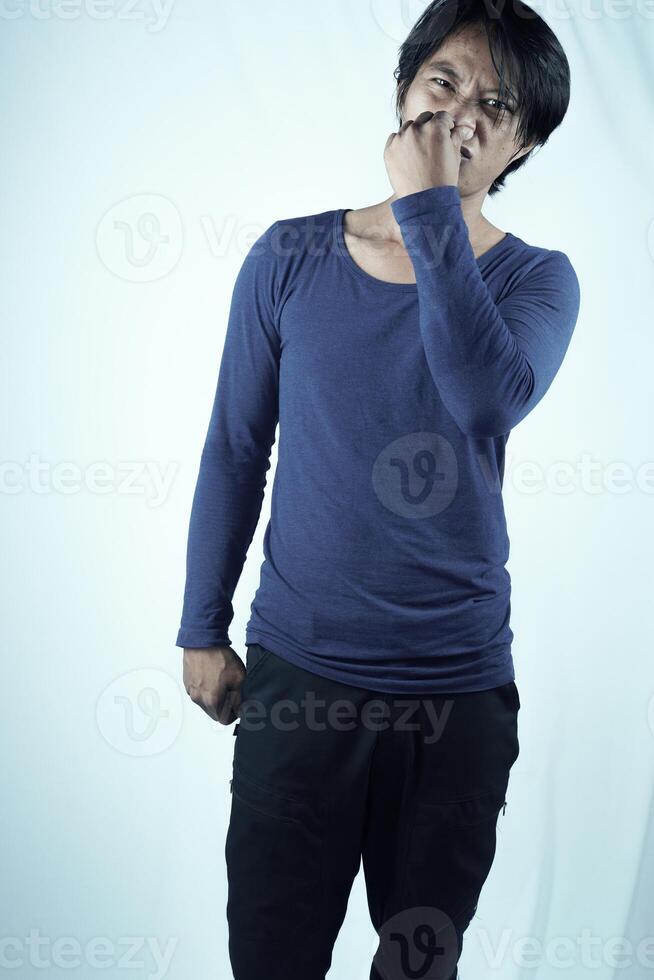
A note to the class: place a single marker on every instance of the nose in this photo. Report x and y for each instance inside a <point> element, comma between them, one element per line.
<point>464,118</point>
<point>467,132</point>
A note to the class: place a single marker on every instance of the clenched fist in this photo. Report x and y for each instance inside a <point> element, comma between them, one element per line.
<point>212,678</point>
<point>425,152</point>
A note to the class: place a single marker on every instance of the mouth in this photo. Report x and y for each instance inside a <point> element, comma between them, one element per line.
<point>465,152</point>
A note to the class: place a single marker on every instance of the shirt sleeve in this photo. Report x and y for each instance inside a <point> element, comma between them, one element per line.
<point>236,455</point>
<point>491,362</point>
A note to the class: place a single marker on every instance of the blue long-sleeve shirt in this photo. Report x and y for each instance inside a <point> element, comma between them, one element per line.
<point>385,554</point>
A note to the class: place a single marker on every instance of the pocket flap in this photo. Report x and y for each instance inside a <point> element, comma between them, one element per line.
<point>468,812</point>
<point>267,800</point>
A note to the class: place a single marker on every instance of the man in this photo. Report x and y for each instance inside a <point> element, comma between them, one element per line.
<point>396,345</point>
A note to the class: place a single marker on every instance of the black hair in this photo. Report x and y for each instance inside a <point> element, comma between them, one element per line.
<point>532,65</point>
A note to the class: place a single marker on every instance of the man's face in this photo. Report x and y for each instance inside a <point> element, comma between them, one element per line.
<point>460,78</point>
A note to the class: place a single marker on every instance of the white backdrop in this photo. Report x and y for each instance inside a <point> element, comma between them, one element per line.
<point>146,146</point>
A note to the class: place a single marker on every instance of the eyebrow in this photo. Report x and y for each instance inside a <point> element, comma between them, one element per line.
<point>450,70</point>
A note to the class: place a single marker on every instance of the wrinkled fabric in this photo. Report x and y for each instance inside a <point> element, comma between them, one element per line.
<point>385,554</point>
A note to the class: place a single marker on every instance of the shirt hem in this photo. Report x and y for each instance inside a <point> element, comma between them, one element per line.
<point>503,674</point>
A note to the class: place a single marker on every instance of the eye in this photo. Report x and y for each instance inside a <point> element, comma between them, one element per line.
<point>502,105</point>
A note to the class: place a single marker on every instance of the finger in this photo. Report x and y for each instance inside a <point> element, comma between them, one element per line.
<point>198,695</point>
<point>210,709</point>
<point>229,707</point>
<point>424,117</point>
<point>456,137</point>
<point>443,116</point>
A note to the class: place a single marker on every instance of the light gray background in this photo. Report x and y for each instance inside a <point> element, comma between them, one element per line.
<point>145,149</point>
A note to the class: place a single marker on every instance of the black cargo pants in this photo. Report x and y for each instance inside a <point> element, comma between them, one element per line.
<point>326,775</point>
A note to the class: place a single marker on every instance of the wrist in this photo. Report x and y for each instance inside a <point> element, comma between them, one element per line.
<point>415,188</point>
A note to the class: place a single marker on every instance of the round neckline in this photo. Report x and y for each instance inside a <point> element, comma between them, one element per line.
<point>344,252</point>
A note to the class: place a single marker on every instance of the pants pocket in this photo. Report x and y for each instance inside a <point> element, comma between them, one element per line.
<point>469,812</point>
<point>274,857</point>
<point>451,851</point>
<point>255,658</point>
<point>256,655</point>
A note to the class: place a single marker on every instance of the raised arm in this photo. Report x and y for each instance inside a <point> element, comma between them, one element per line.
<point>236,455</point>
<point>491,363</point>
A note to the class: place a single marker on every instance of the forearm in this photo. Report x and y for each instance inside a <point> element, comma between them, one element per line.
<point>490,370</point>
<point>226,508</point>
